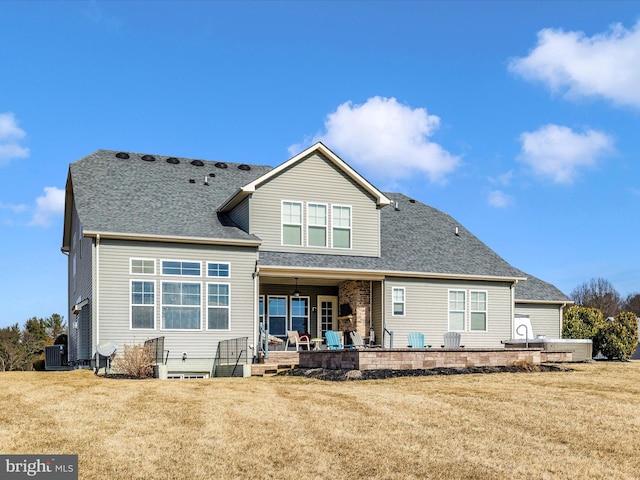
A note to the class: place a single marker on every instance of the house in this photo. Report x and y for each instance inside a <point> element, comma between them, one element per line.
<point>199,252</point>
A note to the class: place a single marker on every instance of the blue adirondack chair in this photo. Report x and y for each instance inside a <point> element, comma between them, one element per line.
<point>416,340</point>
<point>333,340</point>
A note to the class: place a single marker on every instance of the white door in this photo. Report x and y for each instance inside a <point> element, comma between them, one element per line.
<point>327,314</point>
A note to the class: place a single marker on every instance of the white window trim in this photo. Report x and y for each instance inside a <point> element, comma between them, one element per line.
<point>282,223</point>
<point>179,275</point>
<point>162,328</point>
<point>464,311</point>
<point>485,311</point>
<point>217,263</point>
<point>291,315</point>
<point>228,307</point>
<point>326,224</point>
<point>350,228</point>
<point>131,304</point>
<point>131,272</point>
<point>404,301</point>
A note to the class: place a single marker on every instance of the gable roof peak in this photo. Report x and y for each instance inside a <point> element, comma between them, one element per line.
<point>318,147</point>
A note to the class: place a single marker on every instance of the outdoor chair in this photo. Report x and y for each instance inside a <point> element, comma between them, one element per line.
<point>357,340</point>
<point>416,340</point>
<point>294,337</point>
<point>451,340</point>
<point>334,342</point>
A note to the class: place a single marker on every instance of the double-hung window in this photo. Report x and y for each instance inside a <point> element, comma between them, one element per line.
<point>341,221</point>
<point>300,314</point>
<point>398,301</point>
<point>143,304</point>
<point>457,309</point>
<point>181,304</point>
<point>291,223</point>
<point>317,225</point>
<point>218,304</point>
<point>478,311</point>
<point>277,316</point>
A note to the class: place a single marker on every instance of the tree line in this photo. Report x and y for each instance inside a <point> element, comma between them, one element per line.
<point>23,348</point>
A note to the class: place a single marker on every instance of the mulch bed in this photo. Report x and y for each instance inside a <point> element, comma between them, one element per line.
<point>342,375</point>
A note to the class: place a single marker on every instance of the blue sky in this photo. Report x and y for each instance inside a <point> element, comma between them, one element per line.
<point>519,119</point>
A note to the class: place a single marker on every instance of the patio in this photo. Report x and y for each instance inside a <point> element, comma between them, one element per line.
<point>409,358</point>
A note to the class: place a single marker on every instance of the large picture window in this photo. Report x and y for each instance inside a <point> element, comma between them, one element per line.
<point>181,303</point>
<point>478,311</point>
<point>317,228</point>
<point>457,308</point>
<point>291,223</point>
<point>143,304</point>
<point>218,306</point>
<point>341,232</point>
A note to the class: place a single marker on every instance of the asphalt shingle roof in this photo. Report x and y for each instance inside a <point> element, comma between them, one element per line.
<point>135,196</point>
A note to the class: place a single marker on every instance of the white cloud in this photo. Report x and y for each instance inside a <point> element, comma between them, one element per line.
<point>48,206</point>
<point>558,153</point>
<point>504,179</point>
<point>10,137</point>
<point>500,199</point>
<point>386,139</point>
<point>14,208</point>
<point>605,65</point>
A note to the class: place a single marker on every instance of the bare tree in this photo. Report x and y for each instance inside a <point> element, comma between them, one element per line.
<point>632,303</point>
<point>598,293</point>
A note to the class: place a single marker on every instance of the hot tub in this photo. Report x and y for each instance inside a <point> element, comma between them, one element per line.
<point>581,348</point>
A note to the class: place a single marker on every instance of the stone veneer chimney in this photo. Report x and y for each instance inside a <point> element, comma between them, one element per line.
<point>356,294</point>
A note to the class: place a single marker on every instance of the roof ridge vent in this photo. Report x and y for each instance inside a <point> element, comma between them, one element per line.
<point>197,163</point>
<point>122,155</point>
<point>221,165</point>
<point>244,167</point>
<point>173,161</point>
<point>148,158</point>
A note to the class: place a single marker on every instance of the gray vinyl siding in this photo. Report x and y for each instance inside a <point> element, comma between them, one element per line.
<point>329,186</point>
<point>200,345</point>
<point>240,215</point>
<point>545,319</point>
<point>81,336</point>
<point>427,311</point>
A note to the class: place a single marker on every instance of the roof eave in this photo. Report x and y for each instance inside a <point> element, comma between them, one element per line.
<point>172,239</point>
<point>545,302</point>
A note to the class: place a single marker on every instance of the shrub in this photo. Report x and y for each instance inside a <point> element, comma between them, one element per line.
<point>582,322</point>
<point>135,361</point>
<point>526,365</point>
<point>39,365</point>
<point>618,337</point>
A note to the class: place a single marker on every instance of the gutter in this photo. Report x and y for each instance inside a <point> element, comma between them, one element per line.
<point>171,239</point>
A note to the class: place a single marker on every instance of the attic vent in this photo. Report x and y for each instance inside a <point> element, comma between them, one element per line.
<point>122,155</point>
<point>244,166</point>
<point>173,161</point>
<point>148,158</point>
<point>411,200</point>
<point>191,180</point>
<point>212,174</point>
<point>221,165</point>
<point>197,163</point>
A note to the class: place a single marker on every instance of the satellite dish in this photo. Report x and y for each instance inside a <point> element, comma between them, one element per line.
<point>106,349</point>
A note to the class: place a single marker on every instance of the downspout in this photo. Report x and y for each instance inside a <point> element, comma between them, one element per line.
<point>96,295</point>
<point>256,310</point>
<point>513,307</point>
<point>562,318</point>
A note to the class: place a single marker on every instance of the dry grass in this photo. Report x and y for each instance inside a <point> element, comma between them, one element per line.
<point>582,424</point>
